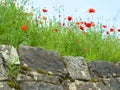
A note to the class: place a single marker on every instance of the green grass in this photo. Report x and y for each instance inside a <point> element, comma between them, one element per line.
<point>67,41</point>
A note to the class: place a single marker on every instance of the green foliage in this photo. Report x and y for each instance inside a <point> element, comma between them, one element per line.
<point>13,70</point>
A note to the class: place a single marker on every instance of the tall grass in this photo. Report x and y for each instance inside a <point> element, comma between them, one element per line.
<point>50,34</point>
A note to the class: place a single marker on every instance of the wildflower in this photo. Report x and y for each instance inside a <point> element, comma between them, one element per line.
<point>59,15</point>
<point>44,10</point>
<point>24,28</point>
<point>88,25</point>
<point>86,49</point>
<point>112,29</point>
<point>41,22</point>
<point>69,18</point>
<point>92,23</point>
<point>107,32</point>
<point>84,32</point>
<point>81,27</point>
<point>104,26</point>
<point>38,16</point>
<point>44,18</point>
<point>84,23</point>
<point>56,29</point>
<point>77,23</point>
<point>118,30</point>
<point>63,24</point>
<point>91,10</point>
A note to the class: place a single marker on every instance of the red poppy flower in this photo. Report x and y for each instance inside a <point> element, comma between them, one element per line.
<point>24,27</point>
<point>104,26</point>
<point>77,23</point>
<point>44,10</point>
<point>92,23</point>
<point>56,29</point>
<point>41,22</point>
<point>112,29</point>
<point>107,32</point>
<point>81,22</point>
<point>84,23</point>
<point>81,27</point>
<point>44,18</point>
<point>69,18</point>
<point>88,25</point>
<point>91,10</point>
<point>39,16</point>
<point>84,32</point>
<point>63,24</point>
<point>118,30</point>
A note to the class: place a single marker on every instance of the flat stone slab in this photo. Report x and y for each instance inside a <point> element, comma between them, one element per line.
<point>9,53</point>
<point>41,59</point>
<point>81,85</point>
<point>114,84</point>
<point>4,86</point>
<point>77,67</point>
<point>39,86</point>
<point>102,69</point>
<point>34,76</point>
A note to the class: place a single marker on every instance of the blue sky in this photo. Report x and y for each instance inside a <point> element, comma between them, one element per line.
<point>106,10</point>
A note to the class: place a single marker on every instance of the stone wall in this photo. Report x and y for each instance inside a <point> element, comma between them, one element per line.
<point>33,68</point>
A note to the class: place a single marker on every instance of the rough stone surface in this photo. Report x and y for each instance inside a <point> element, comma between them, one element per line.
<point>103,69</point>
<point>39,77</point>
<point>40,86</point>
<point>118,64</point>
<point>4,86</point>
<point>82,85</point>
<point>38,58</point>
<point>115,84</point>
<point>7,54</point>
<point>77,67</point>
<point>39,68</point>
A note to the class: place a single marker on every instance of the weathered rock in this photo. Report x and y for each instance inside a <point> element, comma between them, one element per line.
<point>118,64</point>
<point>114,84</point>
<point>82,85</point>
<point>4,86</point>
<point>39,86</point>
<point>77,68</point>
<point>103,69</point>
<point>38,58</point>
<point>34,76</point>
<point>7,54</point>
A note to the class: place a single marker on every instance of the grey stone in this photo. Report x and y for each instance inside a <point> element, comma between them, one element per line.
<point>103,69</point>
<point>39,86</point>
<point>4,86</point>
<point>82,85</point>
<point>34,76</point>
<point>39,58</point>
<point>114,84</point>
<point>77,67</point>
<point>118,64</point>
<point>7,54</point>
